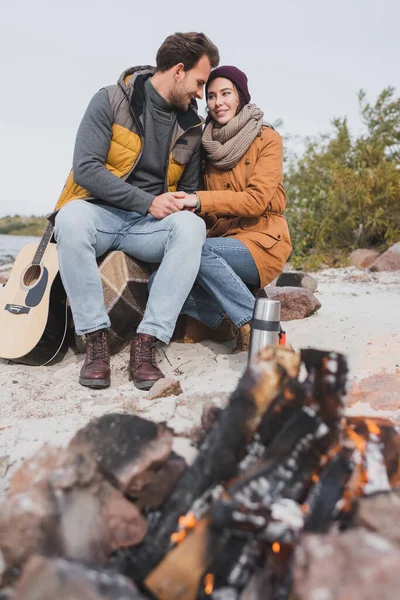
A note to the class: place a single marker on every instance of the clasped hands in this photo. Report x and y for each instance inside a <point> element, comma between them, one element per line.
<point>171,202</point>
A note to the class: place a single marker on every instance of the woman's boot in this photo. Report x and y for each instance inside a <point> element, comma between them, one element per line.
<point>243,339</point>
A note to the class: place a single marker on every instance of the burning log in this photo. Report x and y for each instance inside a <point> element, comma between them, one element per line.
<point>219,455</point>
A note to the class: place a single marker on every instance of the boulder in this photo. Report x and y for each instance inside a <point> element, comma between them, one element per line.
<point>297,279</point>
<point>381,513</point>
<point>28,525</point>
<point>195,414</point>
<point>363,258</point>
<point>381,391</point>
<point>296,303</point>
<point>389,260</point>
<point>126,448</point>
<point>162,483</point>
<point>48,579</point>
<point>356,564</point>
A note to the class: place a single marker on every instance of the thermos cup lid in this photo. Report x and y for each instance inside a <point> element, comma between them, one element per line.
<point>267,310</point>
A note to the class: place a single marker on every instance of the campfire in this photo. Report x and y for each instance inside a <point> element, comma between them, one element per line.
<point>280,472</point>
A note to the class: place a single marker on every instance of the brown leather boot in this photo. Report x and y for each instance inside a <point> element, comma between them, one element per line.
<point>143,370</point>
<point>243,339</point>
<point>95,372</point>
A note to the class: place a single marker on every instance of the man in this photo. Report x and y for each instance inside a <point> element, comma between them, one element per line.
<point>136,154</point>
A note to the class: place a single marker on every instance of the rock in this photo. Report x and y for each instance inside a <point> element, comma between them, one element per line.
<point>37,468</point>
<point>381,513</point>
<point>212,408</point>
<point>48,579</point>
<point>389,260</point>
<point>126,525</point>
<point>296,303</point>
<point>126,448</point>
<point>83,529</point>
<point>363,258</point>
<point>28,525</point>
<point>381,391</point>
<point>296,279</point>
<point>162,483</point>
<point>356,564</point>
<point>189,418</point>
<point>165,387</point>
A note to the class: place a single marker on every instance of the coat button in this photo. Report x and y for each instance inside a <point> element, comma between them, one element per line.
<point>228,185</point>
<point>279,237</point>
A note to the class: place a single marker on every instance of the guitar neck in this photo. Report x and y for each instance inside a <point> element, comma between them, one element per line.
<point>44,242</point>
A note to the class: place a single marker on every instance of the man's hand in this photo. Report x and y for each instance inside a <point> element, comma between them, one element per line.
<point>167,204</point>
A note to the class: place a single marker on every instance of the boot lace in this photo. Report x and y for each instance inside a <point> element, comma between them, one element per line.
<point>147,351</point>
<point>97,347</point>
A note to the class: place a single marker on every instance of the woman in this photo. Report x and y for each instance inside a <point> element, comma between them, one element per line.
<point>248,238</point>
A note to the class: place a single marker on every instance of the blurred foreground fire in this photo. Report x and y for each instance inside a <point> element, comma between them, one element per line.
<point>280,465</point>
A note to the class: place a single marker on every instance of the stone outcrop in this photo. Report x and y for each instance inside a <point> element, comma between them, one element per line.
<point>363,258</point>
<point>389,260</point>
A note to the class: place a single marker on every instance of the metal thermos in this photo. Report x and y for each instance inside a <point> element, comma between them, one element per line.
<point>265,325</point>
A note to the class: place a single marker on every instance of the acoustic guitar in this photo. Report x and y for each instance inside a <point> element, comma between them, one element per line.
<point>33,306</point>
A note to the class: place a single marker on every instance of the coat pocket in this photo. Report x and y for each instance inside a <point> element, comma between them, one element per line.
<point>181,155</point>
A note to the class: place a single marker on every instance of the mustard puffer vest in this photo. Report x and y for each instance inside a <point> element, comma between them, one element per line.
<point>127,104</point>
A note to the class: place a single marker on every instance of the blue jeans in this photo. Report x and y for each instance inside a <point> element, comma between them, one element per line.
<point>85,231</point>
<point>226,266</point>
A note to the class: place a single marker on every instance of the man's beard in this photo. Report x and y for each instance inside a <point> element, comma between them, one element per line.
<point>179,98</point>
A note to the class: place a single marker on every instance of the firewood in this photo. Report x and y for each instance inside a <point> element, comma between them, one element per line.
<point>219,455</point>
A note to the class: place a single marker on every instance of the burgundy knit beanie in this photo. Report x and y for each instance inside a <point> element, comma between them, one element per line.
<point>236,76</point>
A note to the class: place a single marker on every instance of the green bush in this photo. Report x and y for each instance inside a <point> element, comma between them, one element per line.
<point>344,192</point>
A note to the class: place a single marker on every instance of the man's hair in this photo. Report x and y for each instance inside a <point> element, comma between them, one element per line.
<point>186,48</point>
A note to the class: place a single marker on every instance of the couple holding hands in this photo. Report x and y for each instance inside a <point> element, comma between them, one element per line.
<point>204,200</point>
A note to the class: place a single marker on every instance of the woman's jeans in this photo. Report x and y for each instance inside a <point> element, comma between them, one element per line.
<point>226,266</point>
<point>85,231</point>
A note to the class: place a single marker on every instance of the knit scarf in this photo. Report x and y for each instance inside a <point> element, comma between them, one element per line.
<point>225,145</point>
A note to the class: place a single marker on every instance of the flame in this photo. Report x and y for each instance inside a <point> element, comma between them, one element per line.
<point>288,394</point>
<point>305,508</point>
<point>359,476</point>
<point>185,523</point>
<point>208,583</point>
<point>178,536</point>
<point>372,427</point>
<point>359,442</point>
<point>276,547</point>
<point>315,478</point>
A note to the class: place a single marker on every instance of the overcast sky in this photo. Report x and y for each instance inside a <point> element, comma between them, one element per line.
<point>305,60</point>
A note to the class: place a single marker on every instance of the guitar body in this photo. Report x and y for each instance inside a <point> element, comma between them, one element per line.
<point>33,309</point>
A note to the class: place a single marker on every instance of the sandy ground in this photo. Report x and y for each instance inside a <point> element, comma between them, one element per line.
<point>360,316</point>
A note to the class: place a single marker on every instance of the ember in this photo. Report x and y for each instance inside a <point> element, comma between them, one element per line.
<point>279,465</point>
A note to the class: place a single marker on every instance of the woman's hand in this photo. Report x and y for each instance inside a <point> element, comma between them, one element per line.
<point>190,201</point>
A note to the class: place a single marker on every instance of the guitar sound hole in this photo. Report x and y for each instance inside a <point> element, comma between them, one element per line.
<point>32,275</point>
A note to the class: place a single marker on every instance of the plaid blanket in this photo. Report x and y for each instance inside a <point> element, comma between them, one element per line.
<point>124,282</point>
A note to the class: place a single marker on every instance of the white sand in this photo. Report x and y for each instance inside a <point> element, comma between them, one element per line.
<point>360,316</point>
